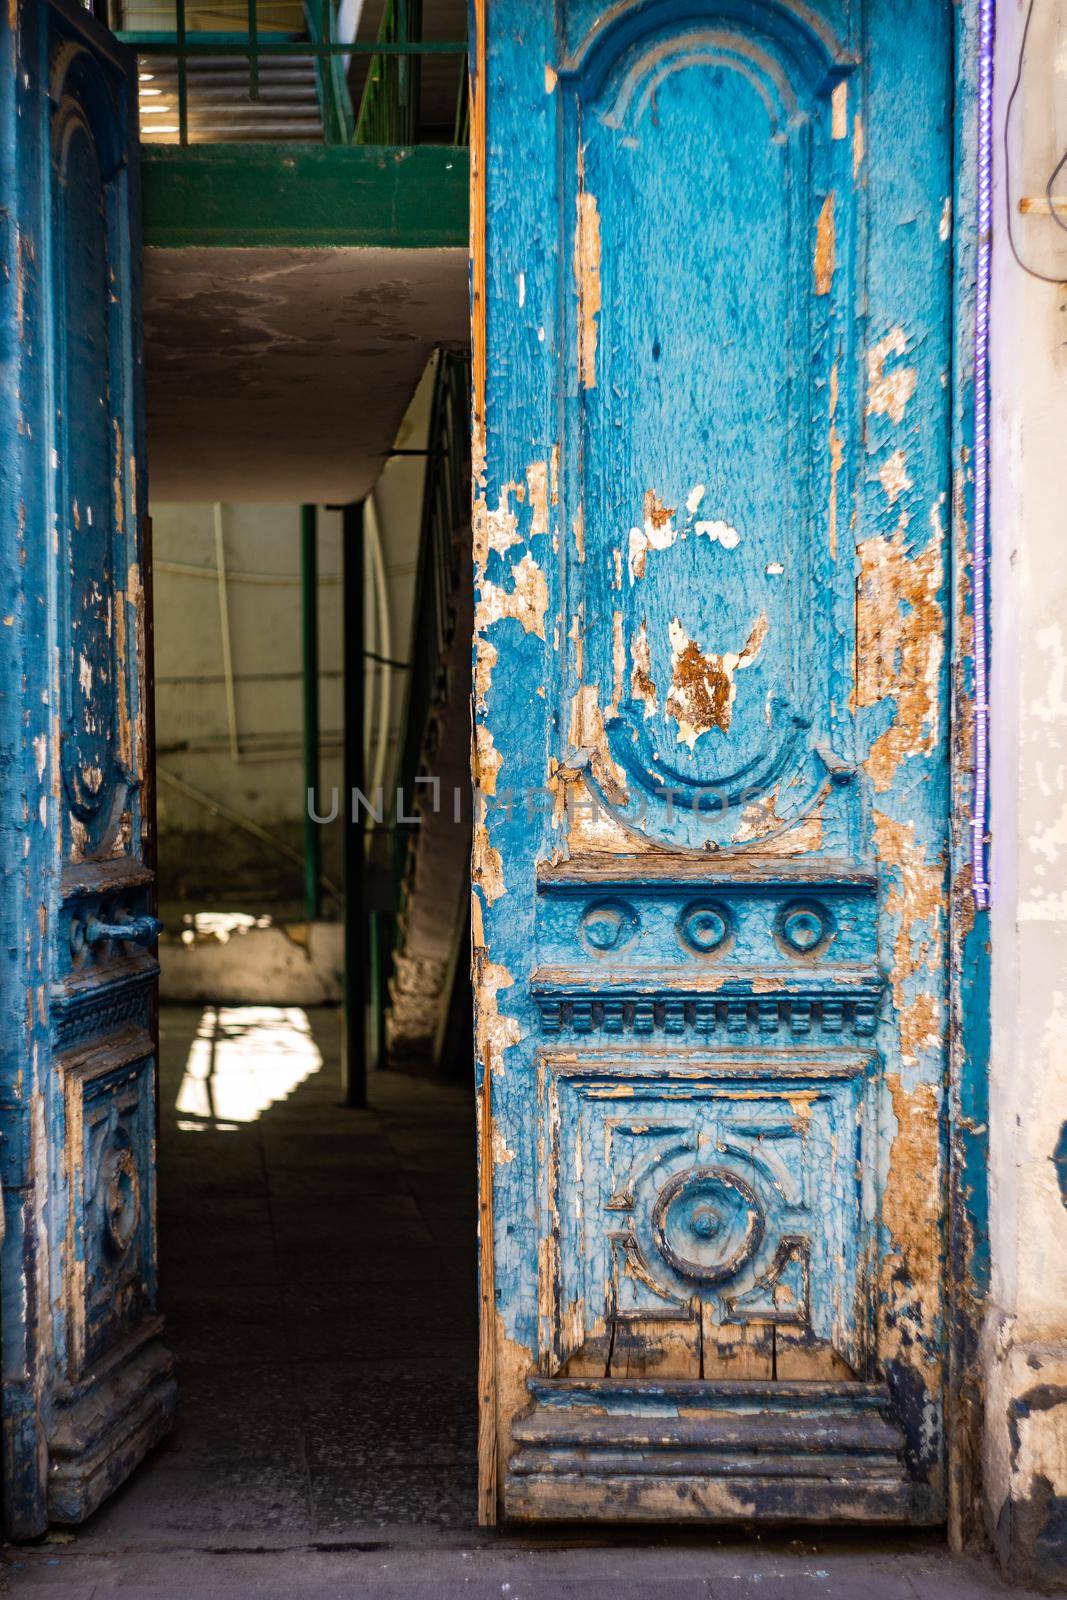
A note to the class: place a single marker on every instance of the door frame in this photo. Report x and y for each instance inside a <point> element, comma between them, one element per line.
<point>966,1239</point>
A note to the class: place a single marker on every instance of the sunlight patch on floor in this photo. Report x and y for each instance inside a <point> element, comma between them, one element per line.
<point>220,925</point>
<point>243,1060</point>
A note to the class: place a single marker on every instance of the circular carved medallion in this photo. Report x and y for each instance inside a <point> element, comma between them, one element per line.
<point>804,926</point>
<point>122,1206</point>
<point>608,926</point>
<point>704,927</point>
<point>707,1223</point>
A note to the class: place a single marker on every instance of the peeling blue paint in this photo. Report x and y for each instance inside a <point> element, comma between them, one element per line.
<point>719,313</point>
<point>86,1387</point>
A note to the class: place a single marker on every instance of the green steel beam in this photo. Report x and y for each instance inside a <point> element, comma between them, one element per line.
<point>263,196</point>
<point>206,42</point>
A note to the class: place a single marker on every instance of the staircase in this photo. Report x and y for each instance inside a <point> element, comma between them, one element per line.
<point>429,987</point>
<point>220,104</point>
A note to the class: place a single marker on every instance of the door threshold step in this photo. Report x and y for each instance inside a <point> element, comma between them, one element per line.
<point>667,1450</point>
<point>760,1394</point>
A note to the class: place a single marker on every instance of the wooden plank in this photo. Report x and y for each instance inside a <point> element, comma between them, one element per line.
<point>737,1349</point>
<point>578,872</point>
<point>487,1331</point>
<point>487,1395</point>
<point>646,1347</point>
<point>788,1432</point>
<point>798,1356</point>
<point>693,1463</point>
<point>650,1498</point>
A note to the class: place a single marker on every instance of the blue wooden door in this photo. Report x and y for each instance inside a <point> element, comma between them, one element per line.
<point>87,1388</point>
<point>712,315</point>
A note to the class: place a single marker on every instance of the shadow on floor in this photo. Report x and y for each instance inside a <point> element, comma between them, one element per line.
<point>318,1281</point>
<point>317,1270</point>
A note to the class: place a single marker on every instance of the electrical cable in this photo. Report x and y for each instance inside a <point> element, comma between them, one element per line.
<point>1042,277</point>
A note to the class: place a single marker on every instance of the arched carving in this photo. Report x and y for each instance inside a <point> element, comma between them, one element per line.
<point>799,31</point>
<point>703,506</point>
<point>91,488</point>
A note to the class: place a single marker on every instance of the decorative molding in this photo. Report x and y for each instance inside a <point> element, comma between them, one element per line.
<point>108,1177</point>
<point>663,874</point>
<point>84,1006</point>
<point>712,1184</point>
<point>755,1005</point>
<point>627,21</point>
<point>707,1222</point>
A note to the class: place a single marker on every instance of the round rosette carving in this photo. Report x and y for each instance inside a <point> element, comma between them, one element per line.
<point>122,1197</point>
<point>707,1223</point>
<point>705,927</point>
<point>804,927</point>
<point>608,926</point>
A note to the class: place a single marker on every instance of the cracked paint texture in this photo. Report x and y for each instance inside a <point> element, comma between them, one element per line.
<point>716,645</point>
<point>77,1113</point>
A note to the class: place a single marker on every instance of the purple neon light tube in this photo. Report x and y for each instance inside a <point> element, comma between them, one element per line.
<point>980,794</point>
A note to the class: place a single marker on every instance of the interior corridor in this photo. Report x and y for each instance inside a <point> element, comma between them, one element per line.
<point>317,1270</point>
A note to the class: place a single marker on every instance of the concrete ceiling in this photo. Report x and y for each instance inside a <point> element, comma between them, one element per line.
<point>283,375</point>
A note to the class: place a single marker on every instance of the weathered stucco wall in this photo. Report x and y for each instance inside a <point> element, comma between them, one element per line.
<point>203,857</point>
<point>1025,1352</point>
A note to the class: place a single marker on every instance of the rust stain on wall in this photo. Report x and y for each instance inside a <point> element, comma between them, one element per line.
<point>899,645</point>
<point>641,685</point>
<point>703,690</point>
<point>911,1212</point>
<point>918,902</point>
<point>825,246</point>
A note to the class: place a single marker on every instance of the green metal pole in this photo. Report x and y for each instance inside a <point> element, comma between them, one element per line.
<point>354,1052</point>
<point>309,567</point>
<point>253,51</point>
<point>183,82</point>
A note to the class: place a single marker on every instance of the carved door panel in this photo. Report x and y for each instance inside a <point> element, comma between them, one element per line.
<point>87,1387</point>
<point>712,311</point>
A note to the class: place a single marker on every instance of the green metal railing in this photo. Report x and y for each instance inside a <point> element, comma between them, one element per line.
<point>389,107</point>
<point>335,102</point>
<point>445,509</point>
<point>388,112</point>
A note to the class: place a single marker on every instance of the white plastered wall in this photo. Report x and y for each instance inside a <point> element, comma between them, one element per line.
<point>1025,1346</point>
<point>265,784</point>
